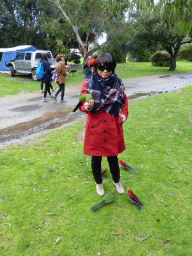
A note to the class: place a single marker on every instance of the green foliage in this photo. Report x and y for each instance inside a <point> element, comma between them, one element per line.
<point>141,54</point>
<point>160,59</point>
<point>75,58</point>
<point>63,49</point>
<point>186,53</point>
<point>118,37</point>
<point>47,189</point>
<point>20,24</point>
<point>177,12</point>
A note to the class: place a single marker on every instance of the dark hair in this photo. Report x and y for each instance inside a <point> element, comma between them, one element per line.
<point>105,59</point>
<point>44,57</point>
<point>59,57</point>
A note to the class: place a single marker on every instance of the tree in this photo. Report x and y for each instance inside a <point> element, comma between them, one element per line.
<point>178,10</point>
<point>156,34</point>
<point>10,33</point>
<point>168,23</point>
<point>19,23</point>
<point>87,19</point>
<point>118,45</point>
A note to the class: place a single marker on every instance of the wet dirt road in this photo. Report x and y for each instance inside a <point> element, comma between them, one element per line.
<point>26,114</point>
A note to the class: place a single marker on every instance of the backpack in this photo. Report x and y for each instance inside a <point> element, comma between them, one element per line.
<point>55,77</point>
<point>40,70</point>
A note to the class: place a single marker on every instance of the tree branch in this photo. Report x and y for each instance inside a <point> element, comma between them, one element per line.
<point>75,29</point>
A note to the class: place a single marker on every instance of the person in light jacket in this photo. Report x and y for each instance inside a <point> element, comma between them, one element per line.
<point>106,113</point>
<point>61,71</point>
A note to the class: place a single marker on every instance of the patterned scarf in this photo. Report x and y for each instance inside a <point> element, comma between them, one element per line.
<point>107,93</point>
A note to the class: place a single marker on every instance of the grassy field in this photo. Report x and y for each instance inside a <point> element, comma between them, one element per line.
<point>14,85</point>
<point>47,189</point>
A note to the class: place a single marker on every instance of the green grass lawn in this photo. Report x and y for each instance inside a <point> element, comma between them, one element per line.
<point>14,85</point>
<point>47,189</point>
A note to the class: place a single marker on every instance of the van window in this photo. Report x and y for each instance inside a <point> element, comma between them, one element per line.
<point>38,55</point>
<point>28,56</point>
<point>20,56</point>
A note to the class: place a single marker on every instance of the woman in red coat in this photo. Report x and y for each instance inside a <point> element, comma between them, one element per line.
<point>106,113</point>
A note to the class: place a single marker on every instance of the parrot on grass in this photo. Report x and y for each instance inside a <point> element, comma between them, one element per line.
<point>134,199</point>
<point>103,171</point>
<point>84,97</point>
<point>126,166</point>
<point>108,198</point>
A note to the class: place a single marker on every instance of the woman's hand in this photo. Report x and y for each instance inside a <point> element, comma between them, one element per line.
<point>123,117</point>
<point>89,105</point>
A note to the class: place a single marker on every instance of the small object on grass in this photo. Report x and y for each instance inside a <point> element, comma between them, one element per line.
<point>126,166</point>
<point>58,239</point>
<point>104,171</point>
<point>134,199</point>
<point>141,238</point>
<point>108,198</point>
<point>6,224</point>
<point>84,97</point>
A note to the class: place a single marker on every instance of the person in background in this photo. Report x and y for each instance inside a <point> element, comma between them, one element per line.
<point>86,69</point>
<point>47,76</point>
<point>106,113</point>
<point>60,66</point>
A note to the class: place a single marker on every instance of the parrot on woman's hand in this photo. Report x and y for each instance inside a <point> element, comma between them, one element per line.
<point>84,97</point>
<point>126,166</point>
<point>134,199</point>
<point>108,198</point>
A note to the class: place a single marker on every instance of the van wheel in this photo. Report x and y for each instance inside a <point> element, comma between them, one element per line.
<point>34,77</point>
<point>12,71</point>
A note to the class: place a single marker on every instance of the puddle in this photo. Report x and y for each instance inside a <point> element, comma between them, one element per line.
<point>35,99</point>
<point>22,127</point>
<point>143,94</point>
<point>26,108</point>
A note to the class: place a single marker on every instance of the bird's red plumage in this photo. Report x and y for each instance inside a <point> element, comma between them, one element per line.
<point>134,199</point>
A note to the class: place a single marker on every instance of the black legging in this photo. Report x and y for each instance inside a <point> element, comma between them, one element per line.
<point>47,89</point>
<point>62,90</point>
<point>113,165</point>
<point>42,86</point>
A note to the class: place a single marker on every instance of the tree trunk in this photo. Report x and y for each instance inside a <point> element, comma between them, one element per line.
<point>174,52</point>
<point>172,63</point>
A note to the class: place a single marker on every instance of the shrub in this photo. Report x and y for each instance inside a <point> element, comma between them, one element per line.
<point>141,54</point>
<point>161,59</point>
<point>186,53</point>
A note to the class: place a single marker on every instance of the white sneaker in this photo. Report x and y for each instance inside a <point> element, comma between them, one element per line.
<point>119,187</point>
<point>100,190</point>
<point>45,99</point>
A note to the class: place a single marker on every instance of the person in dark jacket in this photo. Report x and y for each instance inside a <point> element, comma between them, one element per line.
<point>47,77</point>
<point>106,113</point>
<point>86,69</point>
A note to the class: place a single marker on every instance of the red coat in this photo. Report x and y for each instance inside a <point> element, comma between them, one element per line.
<point>103,131</point>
